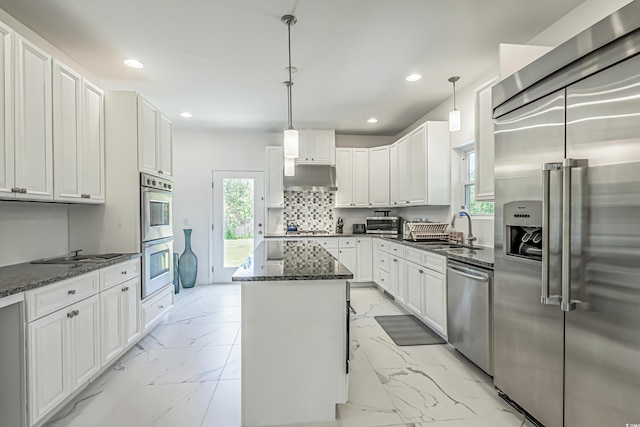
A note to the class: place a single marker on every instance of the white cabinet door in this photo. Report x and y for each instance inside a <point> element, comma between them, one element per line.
<point>111,324</point>
<point>348,259</point>
<point>33,123</point>
<point>401,273</point>
<point>379,176</point>
<point>325,147</point>
<point>93,152</point>
<point>435,299</point>
<point>316,147</point>
<point>364,250</point>
<point>360,177</point>
<point>415,279</point>
<point>344,177</point>
<point>6,113</point>
<point>47,354</point>
<point>418,142</point>
<point>164,146</point>
<point>147,135</point>
<point>438,164</point>
<point>275,173</point>
<point>484,143</point>
<point>84,341</point>
<point>394,273</point>
<point>404,171</point>
<point>393,175</point>
<point>67,132</point>
<point>131,310</point>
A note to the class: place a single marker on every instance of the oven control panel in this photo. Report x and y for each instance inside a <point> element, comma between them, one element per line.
<point>151,181</point>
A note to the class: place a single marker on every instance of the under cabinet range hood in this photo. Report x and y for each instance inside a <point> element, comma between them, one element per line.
<point>312,178</point>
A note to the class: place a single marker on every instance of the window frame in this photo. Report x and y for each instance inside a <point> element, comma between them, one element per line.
<point>466,183</point>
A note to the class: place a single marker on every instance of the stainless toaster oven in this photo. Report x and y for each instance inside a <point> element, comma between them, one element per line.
<point>384,225</point>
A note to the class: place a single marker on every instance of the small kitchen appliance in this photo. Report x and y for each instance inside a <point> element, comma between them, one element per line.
<point>359,229</point>
<point>384,225</point>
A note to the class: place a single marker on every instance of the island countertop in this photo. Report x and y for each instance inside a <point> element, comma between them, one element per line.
<point>290,260</point>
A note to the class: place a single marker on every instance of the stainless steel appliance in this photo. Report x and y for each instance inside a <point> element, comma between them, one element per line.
<point>384,225</point>
<point>359,229</point>
<point>157,265</point>
<point>567,230</point>
<point>156,194</point>
<point>469,313</point>
<point>157,233</point>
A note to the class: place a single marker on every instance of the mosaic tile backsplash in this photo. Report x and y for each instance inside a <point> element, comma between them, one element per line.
<point>309,210</point>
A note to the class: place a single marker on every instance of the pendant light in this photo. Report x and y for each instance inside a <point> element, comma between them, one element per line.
<point>290,134</point>
<point>454,115</point>
<point>289,166</point>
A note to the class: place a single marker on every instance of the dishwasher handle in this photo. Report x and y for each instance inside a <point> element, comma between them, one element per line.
<point>470,274</point>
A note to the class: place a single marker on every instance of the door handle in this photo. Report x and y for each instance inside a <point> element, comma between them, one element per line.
<point>545,298</point>
<point>480,277</point>
<point>260,232</point>
<point>567,303</point>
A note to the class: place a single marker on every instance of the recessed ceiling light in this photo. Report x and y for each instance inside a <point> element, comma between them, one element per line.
<point>372,120</point>
<point>413,77</point>
<point>186,115</point>
<point>133,63</point>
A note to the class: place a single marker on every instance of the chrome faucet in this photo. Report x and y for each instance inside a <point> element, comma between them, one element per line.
<point>463,211</point>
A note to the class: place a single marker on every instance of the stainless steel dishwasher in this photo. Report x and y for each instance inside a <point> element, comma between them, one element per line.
<point>469,312</point>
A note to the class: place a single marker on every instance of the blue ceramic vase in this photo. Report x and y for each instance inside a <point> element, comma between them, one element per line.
<point>188,263</point>
<point>176,274</point>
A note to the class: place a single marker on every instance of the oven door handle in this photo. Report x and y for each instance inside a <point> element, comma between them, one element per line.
<point>157,242</point>
<point>478,276</point>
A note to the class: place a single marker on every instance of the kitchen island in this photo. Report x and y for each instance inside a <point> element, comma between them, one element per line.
<point>295,333</point>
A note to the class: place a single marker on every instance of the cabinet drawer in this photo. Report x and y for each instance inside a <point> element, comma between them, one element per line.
<point>385,280</point>
<point>384,261</point>
<point>434,262</point>
<point>397,250</point>
<point>328,243</point>
<point>347,242</point>
<point>50,298</point>
<point>381,245</point>
<point>116,274</point>
<point>414,255</point>
<point>156,307</point>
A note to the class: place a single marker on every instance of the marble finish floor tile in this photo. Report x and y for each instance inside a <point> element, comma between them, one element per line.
<point>186,372</point>
<point>154,406</point>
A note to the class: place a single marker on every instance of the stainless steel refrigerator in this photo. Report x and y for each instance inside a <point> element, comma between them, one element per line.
<point>567,230</point>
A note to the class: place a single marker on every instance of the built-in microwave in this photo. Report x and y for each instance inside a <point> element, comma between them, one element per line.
<point>384,225</point>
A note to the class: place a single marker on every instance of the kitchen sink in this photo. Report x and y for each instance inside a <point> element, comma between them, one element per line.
<point>77,259</point>
<point>447,246</point>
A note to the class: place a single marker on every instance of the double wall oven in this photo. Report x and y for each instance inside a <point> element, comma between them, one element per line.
<point>157,233</point>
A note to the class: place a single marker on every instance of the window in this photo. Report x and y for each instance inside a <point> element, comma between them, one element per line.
<point>468,184</point>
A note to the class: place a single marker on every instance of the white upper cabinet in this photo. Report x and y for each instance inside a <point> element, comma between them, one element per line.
<point>317,147</point>
<point>423,167</point>
<point>78,138</point>
<point>379,177</point>
<point>6,112</point>
<point>275,173</point>
<point>155,141</point>
<point>33,129</point>
<point>484,143</point>
<point>352,176</point>
<point>393,175</point>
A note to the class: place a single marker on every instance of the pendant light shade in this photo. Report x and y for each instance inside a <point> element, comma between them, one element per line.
<point>454,121</point>
<point>289,166</point>
<point>454,115</point>
<point>290,134</point>
<point>291,144</point>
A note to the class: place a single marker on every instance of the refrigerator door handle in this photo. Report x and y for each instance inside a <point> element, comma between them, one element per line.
<point>545,298</point>
<point>567,303</point>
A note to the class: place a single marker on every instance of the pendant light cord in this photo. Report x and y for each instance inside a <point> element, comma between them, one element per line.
<point>290,82</point>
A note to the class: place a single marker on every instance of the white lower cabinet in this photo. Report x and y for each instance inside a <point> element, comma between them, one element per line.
<point>364,267</point>
<point>119,318</point>
<point>415,286</point>
<point>63,353</point>
<point>348,259</point>
<point>416,278</point>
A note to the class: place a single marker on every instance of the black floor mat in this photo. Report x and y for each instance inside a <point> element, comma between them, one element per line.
<point>406,329</point>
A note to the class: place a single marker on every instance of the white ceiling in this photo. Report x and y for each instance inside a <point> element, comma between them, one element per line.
<point>224,60</point>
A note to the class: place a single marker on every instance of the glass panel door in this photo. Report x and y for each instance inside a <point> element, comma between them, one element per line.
<point>238,220</point>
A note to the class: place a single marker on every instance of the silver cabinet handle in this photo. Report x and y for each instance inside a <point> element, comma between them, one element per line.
<point>395,260</point>
<point>85,196</point>
<point>123,272</point>
<point>76,312</point>
<point>546,182</point>
<point>71,292</point>
<point>161,307</point>
<point>70,314</point>
<point>420,271</point>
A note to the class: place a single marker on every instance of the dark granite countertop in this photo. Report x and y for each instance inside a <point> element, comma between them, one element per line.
<point>290,260</point>
<point>23,277</point>
<point>302,234</point>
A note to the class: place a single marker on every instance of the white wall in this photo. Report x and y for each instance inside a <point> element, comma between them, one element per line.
<point>195,156</point>
<point>32,231</point>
